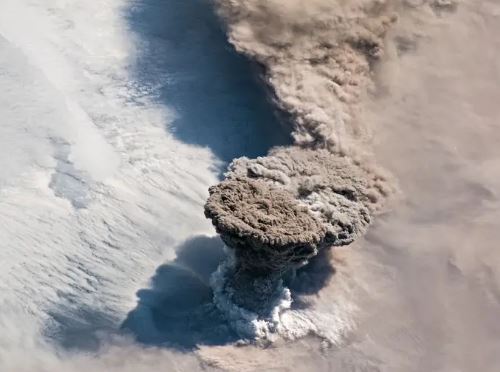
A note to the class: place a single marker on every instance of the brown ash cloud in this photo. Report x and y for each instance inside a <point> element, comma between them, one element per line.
<point>276,212</point>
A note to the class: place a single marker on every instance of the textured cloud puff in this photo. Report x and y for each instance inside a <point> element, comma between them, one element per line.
<point>266,226</point>
<point>277,211</point>
<point>337,190</point>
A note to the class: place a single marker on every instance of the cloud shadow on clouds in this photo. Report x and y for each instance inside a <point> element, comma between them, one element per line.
<point>176,310</point>
<point>218,100</point>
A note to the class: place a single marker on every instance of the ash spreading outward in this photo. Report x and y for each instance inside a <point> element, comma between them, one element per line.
<point>277,212</point>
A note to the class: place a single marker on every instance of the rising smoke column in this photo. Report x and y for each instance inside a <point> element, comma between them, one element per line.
<point>276,212</point>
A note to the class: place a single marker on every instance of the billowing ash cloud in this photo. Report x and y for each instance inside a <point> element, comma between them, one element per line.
<point>317,56</point>
<point>277,211</point>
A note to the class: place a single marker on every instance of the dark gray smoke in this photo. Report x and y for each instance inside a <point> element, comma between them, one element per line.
<point>276,212</point>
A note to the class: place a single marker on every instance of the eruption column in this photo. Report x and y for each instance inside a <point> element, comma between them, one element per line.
<point>277,211</point>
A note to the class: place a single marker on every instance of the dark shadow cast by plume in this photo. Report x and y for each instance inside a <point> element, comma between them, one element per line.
<point>177,310</point>
<point>187,63</point>
<point>311,278</point>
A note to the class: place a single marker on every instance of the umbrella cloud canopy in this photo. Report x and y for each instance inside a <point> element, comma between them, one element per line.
<point>268,227</point>
<point>276,211</point>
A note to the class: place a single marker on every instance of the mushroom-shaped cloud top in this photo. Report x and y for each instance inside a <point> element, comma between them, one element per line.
<point>267,227</point>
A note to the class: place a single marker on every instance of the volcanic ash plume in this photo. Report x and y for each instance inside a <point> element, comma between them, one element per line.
<point>276,212</point>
